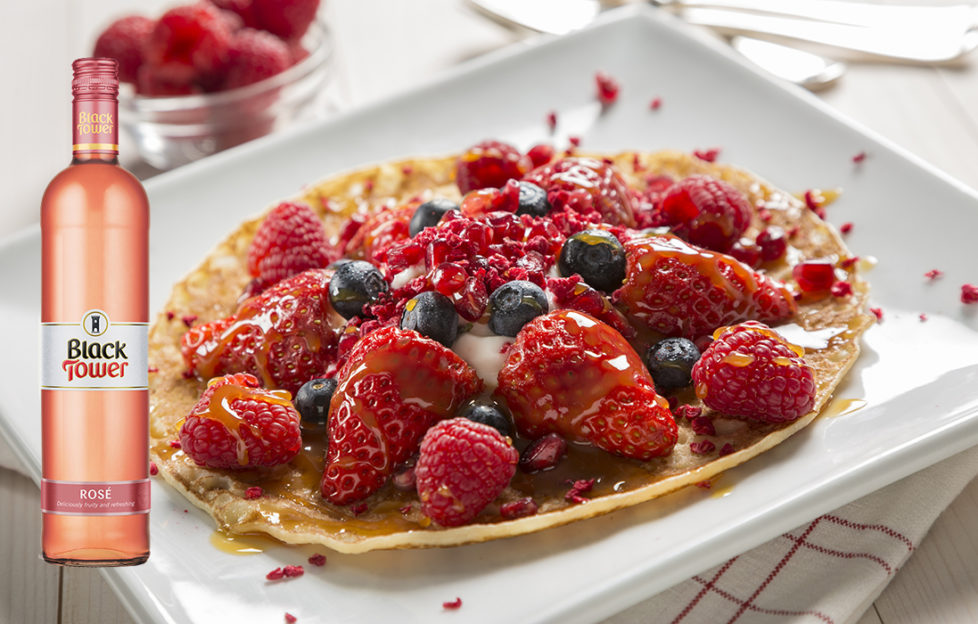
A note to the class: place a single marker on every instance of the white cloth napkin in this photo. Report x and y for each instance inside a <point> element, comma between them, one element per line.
<point>827,571</point>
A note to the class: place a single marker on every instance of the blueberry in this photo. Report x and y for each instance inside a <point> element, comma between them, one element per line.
<point>312,400</point>
<point>670,362</point>
<point>433,315</point>
<point>337,264</point>
<point>488,412</point>
<point>354,285</point>
<point>429,214</point>
<point>597,256</point>
<point>513,305</point>
<point>533,200</point>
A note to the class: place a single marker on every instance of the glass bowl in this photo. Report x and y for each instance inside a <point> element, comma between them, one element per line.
<point>171,131</point>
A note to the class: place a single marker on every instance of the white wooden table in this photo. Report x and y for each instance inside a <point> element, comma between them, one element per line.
<point>385,46</point>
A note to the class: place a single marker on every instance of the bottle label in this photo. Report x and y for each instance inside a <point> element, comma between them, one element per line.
<point>95,127</point>
<point>108,498</point>
<point>94,354</point>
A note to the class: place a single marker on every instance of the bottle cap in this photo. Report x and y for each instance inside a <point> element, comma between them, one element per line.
<point>95,78</point>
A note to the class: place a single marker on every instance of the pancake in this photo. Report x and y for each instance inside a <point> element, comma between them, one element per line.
<point>292,510</point>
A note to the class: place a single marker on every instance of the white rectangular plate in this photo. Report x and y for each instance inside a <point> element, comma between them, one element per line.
<point>918,379</point>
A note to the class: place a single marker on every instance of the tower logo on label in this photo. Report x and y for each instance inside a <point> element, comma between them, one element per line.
<point>94,353</point>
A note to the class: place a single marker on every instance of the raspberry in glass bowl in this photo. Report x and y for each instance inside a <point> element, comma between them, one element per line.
<point>204,77</point>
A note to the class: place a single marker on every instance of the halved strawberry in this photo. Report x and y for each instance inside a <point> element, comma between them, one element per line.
<point>394,386</point>
<point>285,336</point>
<point>571,374</point>
<point>236,424</point>
<point>678,289</point>
<point>380,230</point>
<point>586,186</point>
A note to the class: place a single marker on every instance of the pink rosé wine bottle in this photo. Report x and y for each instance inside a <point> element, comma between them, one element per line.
<point>94,306</point>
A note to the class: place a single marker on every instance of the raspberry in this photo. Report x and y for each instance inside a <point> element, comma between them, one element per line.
<point>586,186</point>
<point>318,559</point>
<point>287,19</point>
<point>237,425</point>
<point>543,453</point>
<point>394,386</point>
<point>750,371</point>
<point>706,211</point>
<point>254,55</point>
<point>462,467</point>
<point>607,88</point>
<point>489,164</point>
<point>678,289</point>
<point>193,38</point>
<point>123,41</point>
<point>557,378</point>
<point>285,336</point>
<point>253,493</point>
<point>290,240</point>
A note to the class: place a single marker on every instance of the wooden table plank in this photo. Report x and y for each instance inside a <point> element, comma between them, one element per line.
<point>87,598</point>
<point>29,586</point>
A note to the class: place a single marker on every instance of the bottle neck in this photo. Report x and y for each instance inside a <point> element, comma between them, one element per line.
<point>95,129</point>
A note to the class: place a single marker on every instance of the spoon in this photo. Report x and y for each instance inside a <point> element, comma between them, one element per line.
<point>558,17</point>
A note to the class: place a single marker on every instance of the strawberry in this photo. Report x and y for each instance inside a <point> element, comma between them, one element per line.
<point>380,230</point>
<point>489,164</point>
<point>394,386</point>
<point>123,41</point>
<point>678,289</point>
<point>244,9</point>
<point>462,467</point>
<point>586,186</point>
<point>290,240</point>
<point>288,19</point>
<point>706,211</point>
<point>254,55</point>
<point>749,370</point>
<point>571,374</point>
<point>195,37</point>
<point>236,425</point>
<point>284,336</point>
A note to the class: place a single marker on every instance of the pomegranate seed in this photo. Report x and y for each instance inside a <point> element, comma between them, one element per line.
<point>473,300</point>
<point>747,252</point>
<point>923,317</point>
<point>293,571</point>
<point>858,158</point>
<point>814,276</point>
<point>726,449</point>
<point>518,508</point>
<point>846,227</point>
<point>607,88</point>
<point>188,319</point>
<point>454,604</point>
<point>878,313</point>
<point>575,141</point>
<point>540,154</point>
<point>543,453</point>
<point>848,263</point>
<point>290,619</point>
<point>253,493</point>
<point>709,155</point>
<point>448,278</point>
<point>552,120</point>
<point>152,369</point>
<point>275,574</point>
<point>841,289</point>
<point>655,104</point>
<point>153,470</point>
<point>969,293</point>
<point>773,243</point>
<point>175,444</point>
<point>933,274</point>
